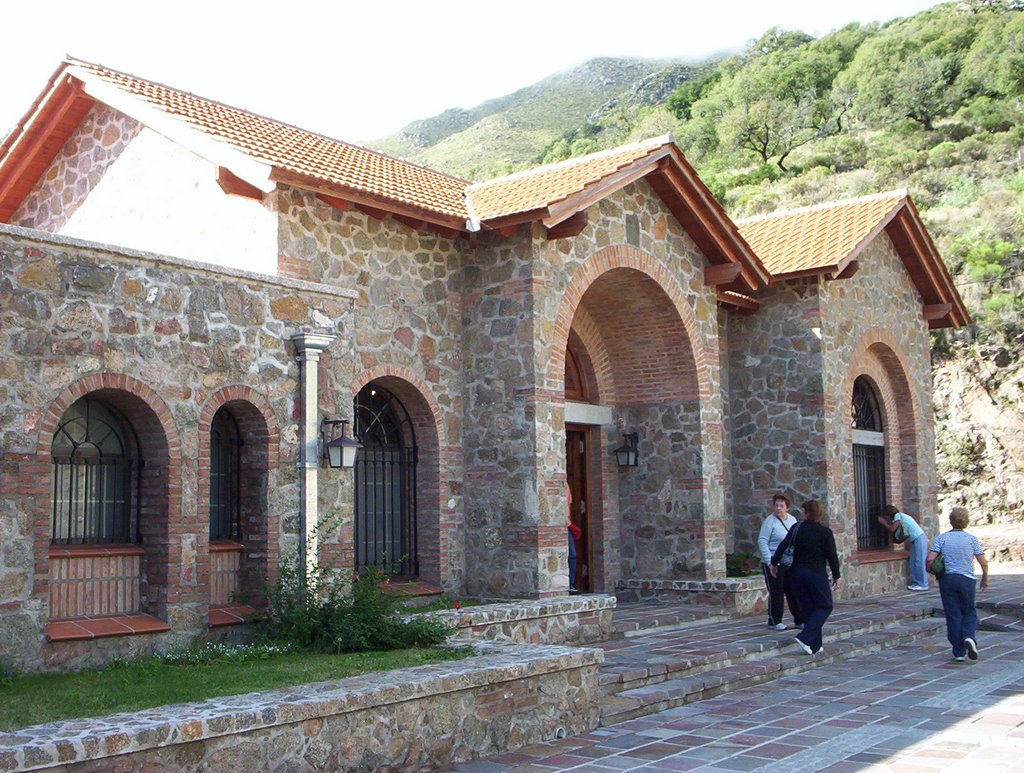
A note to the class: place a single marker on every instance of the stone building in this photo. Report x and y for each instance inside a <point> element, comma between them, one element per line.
<point>187,289</point>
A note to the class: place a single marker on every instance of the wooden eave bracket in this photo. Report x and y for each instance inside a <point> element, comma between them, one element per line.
<point>721,274</point>
<point>234,185</point>
<point>847,271</point>
<point>571,226</point>
<point>934,311</point>
<point>342,205</point>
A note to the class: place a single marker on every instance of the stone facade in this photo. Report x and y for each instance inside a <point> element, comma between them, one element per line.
<point>791,372</point>
<point>469,333</point>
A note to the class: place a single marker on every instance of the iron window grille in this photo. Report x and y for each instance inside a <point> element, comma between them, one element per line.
<point>385,480</point>
<point>93,474</point>
<point>868,464</point>
<point>225,477</point>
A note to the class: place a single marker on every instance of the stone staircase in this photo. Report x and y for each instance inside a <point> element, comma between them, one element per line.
<point>671,654</point>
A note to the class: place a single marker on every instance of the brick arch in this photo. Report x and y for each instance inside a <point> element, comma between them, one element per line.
<point>119,382</point>
<point>245,394</point>
<point>600,263</point>
<point>595,360</point>
<point>159,485</point>
<point>881,359</point>
<point>434,516</point>
<point>228,569</point>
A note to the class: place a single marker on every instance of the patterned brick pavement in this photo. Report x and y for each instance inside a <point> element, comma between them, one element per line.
<point>914,709</point>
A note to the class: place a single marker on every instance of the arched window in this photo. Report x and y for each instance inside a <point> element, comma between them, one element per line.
<point>385,478</point>
<point>225,469</point>
<point>868,463</point>
<point>575,387</point>
<point>92,477</point>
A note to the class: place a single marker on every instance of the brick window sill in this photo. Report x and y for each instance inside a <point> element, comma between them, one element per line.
<point>226,546</point>
<point>84,628</point>
<point>235,615</point>
<point>879,555</point>
<point>87,551</point>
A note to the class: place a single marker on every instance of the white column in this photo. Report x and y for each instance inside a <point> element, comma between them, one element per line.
<point>309,347</point>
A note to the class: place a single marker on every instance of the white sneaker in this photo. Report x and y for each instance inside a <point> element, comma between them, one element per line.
<point>780,627</point>
<point>958,658</point>
<point>803,646</point>
<point>972,648</point>
<point>916,587</point>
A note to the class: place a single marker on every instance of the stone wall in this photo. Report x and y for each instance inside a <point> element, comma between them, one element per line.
<point>117,182</point>
<point>859,338</point>
<point>777,437</point>
<point>406,334</point>
<point>166,342</point>
<point>428,717</point>
<point>630,285</point>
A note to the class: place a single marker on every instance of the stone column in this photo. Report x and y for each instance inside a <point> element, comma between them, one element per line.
<point>309,346</point>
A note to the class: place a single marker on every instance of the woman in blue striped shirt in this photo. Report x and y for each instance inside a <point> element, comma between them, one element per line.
<point>959,550</point>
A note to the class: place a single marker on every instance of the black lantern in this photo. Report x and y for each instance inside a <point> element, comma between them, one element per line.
<point>626,454</point>
<point>335,447</point>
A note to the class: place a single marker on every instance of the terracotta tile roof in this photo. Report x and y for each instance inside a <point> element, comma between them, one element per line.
<point>296,150</point>
<point>818,238</point>
<point>544,186</point>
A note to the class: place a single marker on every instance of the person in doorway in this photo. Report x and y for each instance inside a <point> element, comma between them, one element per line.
<point>814,548</point>
<point>960,549</point>
<point>916,544</point>
<point>774,529</point>
<point>575,532</point>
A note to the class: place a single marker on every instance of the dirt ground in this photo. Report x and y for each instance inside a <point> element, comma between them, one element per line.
<point>1002,541</point>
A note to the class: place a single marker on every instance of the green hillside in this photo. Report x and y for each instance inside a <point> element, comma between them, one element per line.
<point>932,103</point>
<point>507,133</point>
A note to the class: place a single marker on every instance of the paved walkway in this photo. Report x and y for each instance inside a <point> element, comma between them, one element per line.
<point>916,710</point>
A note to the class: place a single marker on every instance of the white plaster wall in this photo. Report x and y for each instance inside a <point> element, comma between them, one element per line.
<point>159,197</point>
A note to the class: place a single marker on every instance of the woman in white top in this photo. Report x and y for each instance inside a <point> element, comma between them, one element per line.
<point>960,549</point>
<point>774,529</point>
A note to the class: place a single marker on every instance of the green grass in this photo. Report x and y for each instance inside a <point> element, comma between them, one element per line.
<point>144,684</point>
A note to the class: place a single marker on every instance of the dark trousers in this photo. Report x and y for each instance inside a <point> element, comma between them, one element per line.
<point>957,593</point>
<point>779,587</point>
<point>814,595</point>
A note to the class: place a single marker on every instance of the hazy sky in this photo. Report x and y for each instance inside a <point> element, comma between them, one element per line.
<point>360,70</point>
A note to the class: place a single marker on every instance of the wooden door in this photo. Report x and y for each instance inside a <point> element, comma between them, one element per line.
<point>576,443</point>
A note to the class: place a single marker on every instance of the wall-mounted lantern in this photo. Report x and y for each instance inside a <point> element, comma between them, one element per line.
<point>337,449</point>
<point>626,454</point>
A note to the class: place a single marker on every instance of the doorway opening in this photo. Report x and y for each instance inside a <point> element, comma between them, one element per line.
<point>576,454</point>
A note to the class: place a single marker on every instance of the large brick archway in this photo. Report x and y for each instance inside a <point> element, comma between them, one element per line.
<point>629,319</point>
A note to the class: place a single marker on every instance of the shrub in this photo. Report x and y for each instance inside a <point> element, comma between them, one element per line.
<point>741,564</point>
<point>336,612</point>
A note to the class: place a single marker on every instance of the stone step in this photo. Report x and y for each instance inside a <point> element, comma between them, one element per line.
<point>644,617</point>
<point>733,673</point>
<point>665,655</point>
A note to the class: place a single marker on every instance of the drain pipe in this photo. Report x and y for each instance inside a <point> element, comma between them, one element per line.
<point>308,347</point>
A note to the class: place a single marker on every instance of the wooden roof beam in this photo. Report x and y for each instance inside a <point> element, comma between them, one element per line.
<point>374,212</point>
<point>39,140</point>
<point>571,226</point>
<point>234,185</point>
<point>932,311</point>
<point>342,205</point>
<point>849,270</point>
<point>721,274</point>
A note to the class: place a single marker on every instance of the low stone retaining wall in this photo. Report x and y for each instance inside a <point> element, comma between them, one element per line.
<point>565,620</point>
<point>412,719</point>
<point>744,595</point>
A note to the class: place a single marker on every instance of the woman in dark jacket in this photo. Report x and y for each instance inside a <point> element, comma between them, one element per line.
<point>814,548</point>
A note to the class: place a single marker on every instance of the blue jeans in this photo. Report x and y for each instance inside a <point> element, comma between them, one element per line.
<point>957,592</point>
<point>814,598</point>
<point>918,554</point>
